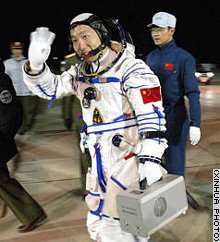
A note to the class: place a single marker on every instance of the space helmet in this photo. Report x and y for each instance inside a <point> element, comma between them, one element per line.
<point>96,23</point>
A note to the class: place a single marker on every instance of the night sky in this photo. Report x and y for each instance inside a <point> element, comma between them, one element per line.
<point>198,23</point>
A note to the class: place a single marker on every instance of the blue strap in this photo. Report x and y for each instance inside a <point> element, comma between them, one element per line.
<point>51,101</point>
<point>118,183</point>
<point>94,194</point>
<point>120,117</point>
<point>107,80</point>
<point>101,179</point>
<point>98,211</point>
<point>81,79</point>
<point>144,158</point>
<point>83,128</point>
<point>100,79</point>
<point>107,216</point>
<point>157,111</point>
<point>160,115</point>
<point>53,97</point>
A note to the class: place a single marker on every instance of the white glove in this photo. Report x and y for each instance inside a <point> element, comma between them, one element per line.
<point>151,171</point>
<point>194,135</point>
<point>40,46</point>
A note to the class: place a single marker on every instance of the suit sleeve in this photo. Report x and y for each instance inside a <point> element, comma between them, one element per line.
<point>144,92</point>
<point>192,92</point>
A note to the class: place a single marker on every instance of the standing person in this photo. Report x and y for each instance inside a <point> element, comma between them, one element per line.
<point>24,207</point>
<point>72,114</point>
<point>122,109</point>
<point>68,102</point>
<point>175,68</point>
<point>13,67</point>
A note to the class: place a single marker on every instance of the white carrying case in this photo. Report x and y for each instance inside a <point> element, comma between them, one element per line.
<point>143,212</point>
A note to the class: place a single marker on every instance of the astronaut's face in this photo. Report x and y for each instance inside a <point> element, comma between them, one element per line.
<point>161,36</point>
<point>84,40</point>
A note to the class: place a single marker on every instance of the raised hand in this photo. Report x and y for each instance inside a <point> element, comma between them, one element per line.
<point>40,46</point>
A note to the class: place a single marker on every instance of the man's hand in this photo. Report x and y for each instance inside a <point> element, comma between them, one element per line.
<point>194,135</point>
<point>151,171</point>
<point>40,46</point>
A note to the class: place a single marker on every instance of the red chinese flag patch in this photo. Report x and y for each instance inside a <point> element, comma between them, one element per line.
<point>150,95</point>
<point>168,67</point>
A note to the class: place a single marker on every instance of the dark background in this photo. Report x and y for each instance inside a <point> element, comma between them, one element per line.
<point>198,23</point>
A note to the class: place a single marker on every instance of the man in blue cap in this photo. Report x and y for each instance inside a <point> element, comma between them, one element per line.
<point>175,68</point>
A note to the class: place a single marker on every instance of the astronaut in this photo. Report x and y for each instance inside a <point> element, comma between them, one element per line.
<point>121,107</point>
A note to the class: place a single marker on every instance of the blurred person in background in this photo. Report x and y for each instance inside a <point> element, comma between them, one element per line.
<point>12,193</point>
<point>175,68</point>
<point>13,67</point>
<point>70,104</point>
<point>72,114</point>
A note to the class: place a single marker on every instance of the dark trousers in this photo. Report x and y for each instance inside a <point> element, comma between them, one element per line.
<point>30,106</point>
<point>24,207</point>
<point>175,154</point>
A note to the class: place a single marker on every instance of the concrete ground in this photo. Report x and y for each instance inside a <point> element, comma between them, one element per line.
<point>50,170</point>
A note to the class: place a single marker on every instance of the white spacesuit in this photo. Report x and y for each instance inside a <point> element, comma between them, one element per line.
<point>122,109</point>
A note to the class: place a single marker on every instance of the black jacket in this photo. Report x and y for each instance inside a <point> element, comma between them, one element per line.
<point>10,117</point>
